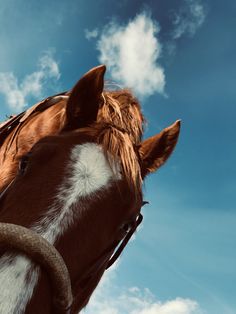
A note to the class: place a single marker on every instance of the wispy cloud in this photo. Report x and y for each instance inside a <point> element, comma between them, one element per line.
<point>108,299</point>
<point>16,93</point>
<point>89,34</point>
<point>132,53</point>
<point>189,19</point>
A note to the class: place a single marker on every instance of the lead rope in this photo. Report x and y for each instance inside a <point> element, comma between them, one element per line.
<point>41,251</point>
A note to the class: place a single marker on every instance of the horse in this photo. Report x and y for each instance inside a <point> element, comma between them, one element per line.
<point>79,189</point>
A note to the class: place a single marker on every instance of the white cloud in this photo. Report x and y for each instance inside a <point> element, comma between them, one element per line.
<point>108,299</point>
<point>132,54</point>
<point>189,18</point>
<point>16,93</point>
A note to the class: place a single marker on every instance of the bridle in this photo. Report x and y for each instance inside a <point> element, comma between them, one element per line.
<point>104,262</point>
<point>124,241</point>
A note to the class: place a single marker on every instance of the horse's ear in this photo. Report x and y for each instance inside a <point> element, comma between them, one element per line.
<point>85,97</point>
<point>155,150</point>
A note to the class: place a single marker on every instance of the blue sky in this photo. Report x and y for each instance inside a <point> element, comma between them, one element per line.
<point>179,58</point>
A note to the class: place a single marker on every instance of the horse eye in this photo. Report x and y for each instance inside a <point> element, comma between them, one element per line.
<point>23,164</point>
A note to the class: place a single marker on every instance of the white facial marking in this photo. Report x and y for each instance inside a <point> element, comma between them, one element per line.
<point>89,173</point>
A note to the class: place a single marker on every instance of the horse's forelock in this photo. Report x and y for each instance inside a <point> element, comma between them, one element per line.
<point>117,143</point>
<point>118,147</point>
<point>122,109</point>
<point>122,114</point>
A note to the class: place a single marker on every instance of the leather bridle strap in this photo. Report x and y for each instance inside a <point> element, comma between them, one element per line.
<point>124,242</point>
<point>105,261</point>
<point>108,257</point>
<point>5,190</point>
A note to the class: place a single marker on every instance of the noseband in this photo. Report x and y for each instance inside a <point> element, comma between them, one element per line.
<point>105,261</point>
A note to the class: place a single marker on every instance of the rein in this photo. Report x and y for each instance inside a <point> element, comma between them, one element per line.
<point>13,124</point>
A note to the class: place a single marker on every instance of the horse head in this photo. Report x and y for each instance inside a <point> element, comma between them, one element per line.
<point>81,190</point>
